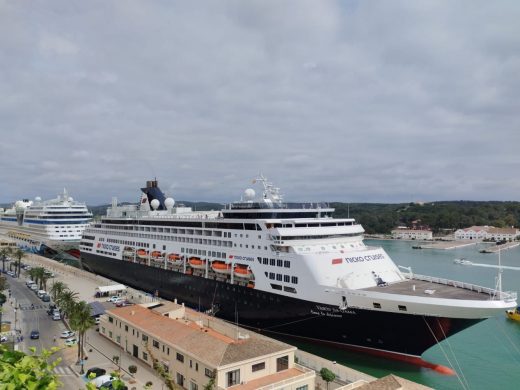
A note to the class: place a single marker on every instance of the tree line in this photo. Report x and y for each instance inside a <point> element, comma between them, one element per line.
<point>380,218</point>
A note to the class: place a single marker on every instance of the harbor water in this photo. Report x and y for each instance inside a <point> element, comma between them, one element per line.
<point>485,356</point>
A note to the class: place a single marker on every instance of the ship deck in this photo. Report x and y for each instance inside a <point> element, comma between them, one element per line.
<point>424,288</point>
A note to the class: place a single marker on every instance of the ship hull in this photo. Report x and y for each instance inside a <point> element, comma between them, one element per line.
<point>398,334</point>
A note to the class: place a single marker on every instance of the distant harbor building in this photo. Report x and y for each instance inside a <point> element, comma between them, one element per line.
<point>404,233</point>
<point>195,349</point>
<point>481,233</point>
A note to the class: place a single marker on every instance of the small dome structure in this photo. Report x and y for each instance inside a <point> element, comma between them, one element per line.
<point>169,203</point>
<point>249,194</point>
<point>155,204</point>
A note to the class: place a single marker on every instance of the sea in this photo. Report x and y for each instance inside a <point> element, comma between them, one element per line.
<point>485,356</point>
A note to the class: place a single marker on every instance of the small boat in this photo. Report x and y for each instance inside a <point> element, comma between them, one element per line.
<point>195,262</point>
<point>242,271</point>
<point>462,261</point>
<point>514,314</point>
<point>221,267</point>
<point>174,258</point>
<point>142,253</point>
<point>156,254</point>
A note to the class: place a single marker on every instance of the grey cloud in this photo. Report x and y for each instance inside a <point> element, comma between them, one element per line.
<point>349,101</point>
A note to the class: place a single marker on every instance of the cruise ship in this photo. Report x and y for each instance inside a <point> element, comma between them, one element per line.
<point>284,269</point>
<point>47,227</point>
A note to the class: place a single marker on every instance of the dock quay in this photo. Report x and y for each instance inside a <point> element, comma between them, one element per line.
<point>445,244</point>
<point>502,247</point>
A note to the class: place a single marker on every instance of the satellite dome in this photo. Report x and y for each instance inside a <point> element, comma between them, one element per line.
<point>37,199</point>
<point>155,204</point>
<point>71,199</point>
<point>249,194</point>
<point>169,202</point>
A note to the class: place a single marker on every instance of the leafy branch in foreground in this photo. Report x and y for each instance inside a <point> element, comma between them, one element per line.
<point>34,372</point>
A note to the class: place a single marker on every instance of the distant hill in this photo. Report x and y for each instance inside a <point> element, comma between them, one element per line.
<point>381,218</point>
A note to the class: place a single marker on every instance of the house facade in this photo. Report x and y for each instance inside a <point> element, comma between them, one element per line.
<point>196,349</point>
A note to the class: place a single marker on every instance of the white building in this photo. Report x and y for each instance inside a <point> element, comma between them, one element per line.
<point>404,233</point>
<point>487,233</point>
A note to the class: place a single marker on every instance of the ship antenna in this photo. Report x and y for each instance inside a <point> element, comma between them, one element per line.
<point>500,270</point>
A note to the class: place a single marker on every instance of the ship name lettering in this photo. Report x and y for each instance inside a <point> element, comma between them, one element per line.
<point>357,259</point>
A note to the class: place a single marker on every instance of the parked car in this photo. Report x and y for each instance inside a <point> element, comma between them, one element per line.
<point>102,380</point>
<point>34,288</point>
<point>35,334</point>
<point>113,298</point>
<point>28,282</point>
<point>49,273</point>
<point>67,334</point>
<point>123,302</point>
<point>71,341</point>
<point>46,298</point>
<point>95,370</point>
<point>56,316</point>
<point>41,293</point>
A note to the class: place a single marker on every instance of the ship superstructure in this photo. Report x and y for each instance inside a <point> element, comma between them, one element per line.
<point>289,269</point>
<point>39,226</point>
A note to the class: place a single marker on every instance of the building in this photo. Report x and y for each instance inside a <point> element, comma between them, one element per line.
<point>195,349</point>
<point>487,233</point>
<point>404,233</point>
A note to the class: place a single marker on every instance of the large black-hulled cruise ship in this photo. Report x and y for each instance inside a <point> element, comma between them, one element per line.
<point>282,268</point>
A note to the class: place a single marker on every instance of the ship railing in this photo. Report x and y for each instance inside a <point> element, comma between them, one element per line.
<point>507,296</point>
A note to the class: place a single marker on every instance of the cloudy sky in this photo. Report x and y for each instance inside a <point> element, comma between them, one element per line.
<point>331,100</point>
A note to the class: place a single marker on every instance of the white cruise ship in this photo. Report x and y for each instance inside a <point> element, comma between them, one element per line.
<point>54,225</point>
<point>285,269</point>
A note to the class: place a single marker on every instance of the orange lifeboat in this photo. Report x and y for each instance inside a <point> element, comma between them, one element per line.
<point>142,253</point>
<point>221,267</point>
<point>156,254</point>
<point>242,271</point>
<point>195,262</point>
<point>174,258</point>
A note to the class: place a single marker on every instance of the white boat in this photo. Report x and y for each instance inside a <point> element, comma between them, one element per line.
<point>462,261</point>
<point>38,226</point>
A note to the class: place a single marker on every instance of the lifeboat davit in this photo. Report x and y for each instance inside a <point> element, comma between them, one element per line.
<point>156,255</point>
<point>195,262</point>
<point>142,253</point>
<point>221,267</point>
<point>174,258</point>
<point>128,251</point>
<point>242,271</point>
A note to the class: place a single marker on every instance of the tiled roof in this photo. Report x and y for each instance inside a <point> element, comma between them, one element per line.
<point>392,382</point>
<point>206,344</point>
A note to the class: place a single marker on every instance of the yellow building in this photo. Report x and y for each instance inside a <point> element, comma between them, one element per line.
<point>195,349</point>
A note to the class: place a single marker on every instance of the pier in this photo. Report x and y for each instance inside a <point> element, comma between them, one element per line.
<point>502,247</point>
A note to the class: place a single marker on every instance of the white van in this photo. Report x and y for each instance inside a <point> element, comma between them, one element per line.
<point>28,282</point>
<point>56,316</point>
<point>41,293</point>
<point>34,287</point>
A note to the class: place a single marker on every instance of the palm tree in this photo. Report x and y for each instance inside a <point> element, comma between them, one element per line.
<point>19,255</point>
<point>33,274</point>
<point>43,280</point>
<point>41,277</point>
<point>4,253</point>
<point>81,320</point>
<point>57,289</point>
<point>66,301</point>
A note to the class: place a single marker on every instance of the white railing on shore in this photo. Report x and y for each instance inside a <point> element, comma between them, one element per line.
<point>506,296</point>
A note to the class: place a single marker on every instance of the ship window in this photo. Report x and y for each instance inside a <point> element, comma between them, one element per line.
<point>265,260</point>
<point>271,275</point>
<point>289,289</point>
<point>287,264</point>
<point>286,278</point>
<point>276,286</point>
<point>272,261</point>
<point>279,263</point>
<point>279,277</point>
<point>294,280</point>
<point>402,308</point>
<point>377,305</point>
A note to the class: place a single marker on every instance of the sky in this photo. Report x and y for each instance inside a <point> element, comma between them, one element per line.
<point>353,101</point>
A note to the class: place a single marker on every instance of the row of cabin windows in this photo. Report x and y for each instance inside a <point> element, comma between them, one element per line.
<point>400,307</point>
<point>182,224</point>
<point>280,277</point>
<point>274,262</point>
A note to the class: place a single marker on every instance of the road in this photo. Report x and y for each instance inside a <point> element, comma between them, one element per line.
<point>28,319</point>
